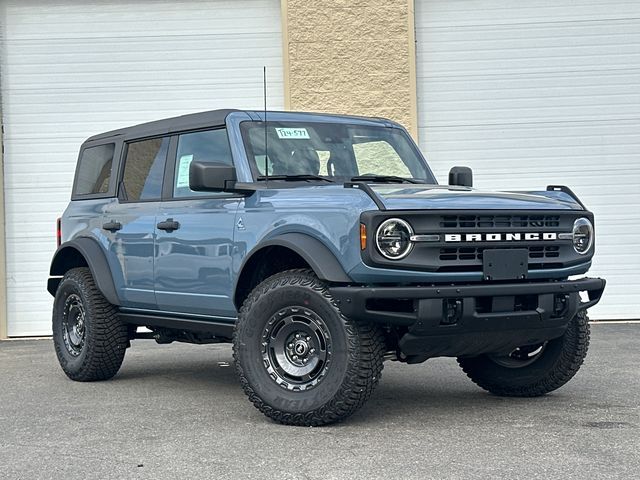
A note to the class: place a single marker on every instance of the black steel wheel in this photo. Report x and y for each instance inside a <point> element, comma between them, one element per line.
<point>520,357</point>
<point>296,348</point>
<point>73,324</point>
<point>299,360</point>
<point>88,336</point>
<point>532,370</point>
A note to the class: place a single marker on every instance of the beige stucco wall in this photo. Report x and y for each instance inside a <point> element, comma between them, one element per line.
<point>351,56</point>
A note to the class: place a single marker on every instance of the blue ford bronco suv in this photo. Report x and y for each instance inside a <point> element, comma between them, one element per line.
<point>320,246</point>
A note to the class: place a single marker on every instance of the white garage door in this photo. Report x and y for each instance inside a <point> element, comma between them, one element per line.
<point>540,92</point>
<point>74,68</point>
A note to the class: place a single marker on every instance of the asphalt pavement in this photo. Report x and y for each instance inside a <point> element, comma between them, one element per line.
<point>178,412</point>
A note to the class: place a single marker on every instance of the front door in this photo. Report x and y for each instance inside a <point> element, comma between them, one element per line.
<point>195,232</point>
<point>129,222</point>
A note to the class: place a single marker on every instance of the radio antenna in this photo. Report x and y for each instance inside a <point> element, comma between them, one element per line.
<point>266,151</point>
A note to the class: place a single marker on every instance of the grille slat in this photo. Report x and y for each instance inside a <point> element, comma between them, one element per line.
<point>499,221</point>
<point>472,253</point>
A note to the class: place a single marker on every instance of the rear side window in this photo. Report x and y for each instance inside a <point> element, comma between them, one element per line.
<point>144,169</point>
<point>94,170</point>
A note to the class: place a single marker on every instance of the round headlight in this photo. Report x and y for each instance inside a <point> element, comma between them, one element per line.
<point>582,235</point>
<point>393,238</point>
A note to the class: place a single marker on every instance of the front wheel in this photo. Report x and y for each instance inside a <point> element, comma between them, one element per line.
<point>532,370</point>
<point>299,360</point>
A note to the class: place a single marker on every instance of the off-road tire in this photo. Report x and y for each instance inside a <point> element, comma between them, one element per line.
<point>105,338</point>
<point>557,364</point>
<point>351,377</point>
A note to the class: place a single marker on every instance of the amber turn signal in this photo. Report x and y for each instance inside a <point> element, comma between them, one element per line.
<point>363,236</point>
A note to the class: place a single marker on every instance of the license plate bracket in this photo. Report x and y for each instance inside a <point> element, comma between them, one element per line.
<point>505,264</point>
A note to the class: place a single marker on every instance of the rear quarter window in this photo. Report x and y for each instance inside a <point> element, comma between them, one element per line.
<point>94,170</point>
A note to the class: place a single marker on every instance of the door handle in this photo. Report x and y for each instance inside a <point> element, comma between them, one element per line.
<point>168,225</point>
<point>112,226</point>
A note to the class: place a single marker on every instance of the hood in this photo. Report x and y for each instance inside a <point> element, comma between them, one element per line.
<point>419,197</point>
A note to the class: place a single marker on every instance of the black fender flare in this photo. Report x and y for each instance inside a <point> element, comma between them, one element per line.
<point>66,257</point>
<point>321,260</point>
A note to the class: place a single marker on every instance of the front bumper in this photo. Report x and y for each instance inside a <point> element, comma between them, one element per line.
<point>454,320</point>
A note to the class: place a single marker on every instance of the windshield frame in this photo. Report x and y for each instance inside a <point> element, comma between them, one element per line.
<point>409,145</point>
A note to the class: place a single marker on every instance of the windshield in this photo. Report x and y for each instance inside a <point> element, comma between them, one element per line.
<point>333,151</point>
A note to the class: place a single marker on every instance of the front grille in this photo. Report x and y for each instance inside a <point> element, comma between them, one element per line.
<point>464,253</point>
<point>499,221</point>
<point>454,254</point>
<point>468,257</point>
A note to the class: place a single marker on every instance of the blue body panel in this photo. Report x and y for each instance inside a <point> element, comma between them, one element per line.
<point>130,250</point>
<point>193,265</point>
<point>330,214</point>
<point>194,269</point>
<point>442,197</point>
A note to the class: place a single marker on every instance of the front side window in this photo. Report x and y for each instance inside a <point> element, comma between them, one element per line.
<point>334,151</point>
<point>94,170</point>
<point>144,169</point>
<point>206,146</point>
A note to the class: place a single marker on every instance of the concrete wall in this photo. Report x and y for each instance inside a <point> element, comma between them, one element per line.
<point>351,56</point>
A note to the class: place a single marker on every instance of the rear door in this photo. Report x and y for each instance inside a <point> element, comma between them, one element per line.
<point>129,221</point>
<point>194,245</point>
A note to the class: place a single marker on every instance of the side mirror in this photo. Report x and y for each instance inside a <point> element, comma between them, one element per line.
<point>211,177</point>
<point>461,176</point>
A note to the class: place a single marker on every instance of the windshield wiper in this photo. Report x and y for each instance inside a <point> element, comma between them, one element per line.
<point>383,179</point>
<point>294,178</point>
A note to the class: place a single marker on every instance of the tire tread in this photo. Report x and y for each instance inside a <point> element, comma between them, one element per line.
<point>107,343</point>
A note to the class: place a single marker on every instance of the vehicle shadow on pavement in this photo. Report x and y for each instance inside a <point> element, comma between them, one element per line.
<point>434,389</point>
<point>211,366</point>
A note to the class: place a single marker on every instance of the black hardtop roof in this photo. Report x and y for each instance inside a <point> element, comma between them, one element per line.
<point>211,118</point>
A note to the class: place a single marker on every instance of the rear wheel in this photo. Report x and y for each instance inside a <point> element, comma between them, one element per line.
<point>89,338</point>
<point>532,370</point>
<point>299,360</point>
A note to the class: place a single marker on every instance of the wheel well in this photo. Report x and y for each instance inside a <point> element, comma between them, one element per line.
<point>263,264</point>
<point>66,259</point>
<point>83,252</point>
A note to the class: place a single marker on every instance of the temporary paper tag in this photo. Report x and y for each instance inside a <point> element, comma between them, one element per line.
<point>183,171</point>
<point>292,133</point>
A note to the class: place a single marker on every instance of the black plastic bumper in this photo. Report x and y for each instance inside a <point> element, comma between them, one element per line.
<point>470,319</point>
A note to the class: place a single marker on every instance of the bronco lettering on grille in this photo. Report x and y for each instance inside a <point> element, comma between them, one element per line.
<point>500,237</point>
